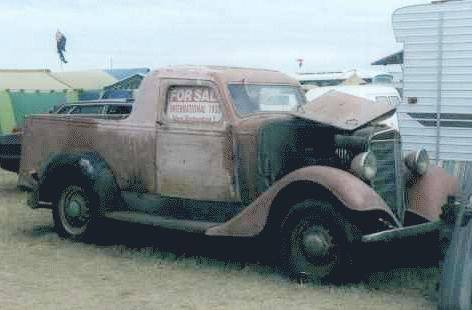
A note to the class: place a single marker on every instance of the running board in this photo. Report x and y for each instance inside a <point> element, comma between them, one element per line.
<point>403,232</point>
<point>160,221</point>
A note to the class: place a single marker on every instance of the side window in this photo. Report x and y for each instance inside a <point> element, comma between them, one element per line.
<point>119,109</point>
<point>88,109</point>
<point>64,109</point>
<point>193,104</point>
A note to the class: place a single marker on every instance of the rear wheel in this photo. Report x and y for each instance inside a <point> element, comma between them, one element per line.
<point>317,241</point>
<point>73,212</point>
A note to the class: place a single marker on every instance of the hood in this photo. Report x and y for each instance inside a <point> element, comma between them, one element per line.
<point>343,111</point>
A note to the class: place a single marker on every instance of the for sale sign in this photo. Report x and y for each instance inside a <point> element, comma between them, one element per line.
<point>193,104</point>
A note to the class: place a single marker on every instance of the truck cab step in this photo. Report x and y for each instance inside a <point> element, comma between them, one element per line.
<point>160,221</point>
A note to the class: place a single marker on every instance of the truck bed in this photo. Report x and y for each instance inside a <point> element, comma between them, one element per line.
<point>128,147</point>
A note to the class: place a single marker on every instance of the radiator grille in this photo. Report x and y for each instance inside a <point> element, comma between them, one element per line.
<point>388,182</point>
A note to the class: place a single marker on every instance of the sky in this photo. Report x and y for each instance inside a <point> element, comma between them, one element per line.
<point>328,35</point>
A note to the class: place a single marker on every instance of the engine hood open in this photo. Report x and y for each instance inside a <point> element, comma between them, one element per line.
<point>343,111</point>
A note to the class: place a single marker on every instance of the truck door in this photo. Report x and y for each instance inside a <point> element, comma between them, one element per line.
<point>194,143</point>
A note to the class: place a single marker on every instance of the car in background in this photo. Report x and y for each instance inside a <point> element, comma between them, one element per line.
<point>10,144</point>
<point>377,93</point>
<point>96,107</point>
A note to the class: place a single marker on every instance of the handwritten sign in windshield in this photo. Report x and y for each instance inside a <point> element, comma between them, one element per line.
<point>193,104</point>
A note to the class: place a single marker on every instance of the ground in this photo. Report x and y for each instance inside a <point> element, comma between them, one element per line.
<point>137,267</point>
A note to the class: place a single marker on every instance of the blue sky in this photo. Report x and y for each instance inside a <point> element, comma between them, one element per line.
<point>328,35</point>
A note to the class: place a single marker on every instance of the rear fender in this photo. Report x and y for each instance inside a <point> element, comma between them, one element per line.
<point>349,190</point>
<point>428,193</point>
<point>90,166</point>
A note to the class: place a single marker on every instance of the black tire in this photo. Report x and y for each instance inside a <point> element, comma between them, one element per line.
<point>455,290</point>
<point>317,242</point>
<point>74,211</point>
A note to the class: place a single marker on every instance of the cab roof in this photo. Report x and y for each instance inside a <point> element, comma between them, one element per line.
<point>228,74</point>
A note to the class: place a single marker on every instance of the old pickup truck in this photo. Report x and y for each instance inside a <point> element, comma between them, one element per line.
<point>238,153</point>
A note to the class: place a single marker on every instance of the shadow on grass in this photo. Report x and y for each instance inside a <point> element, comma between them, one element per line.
<point>396,266</point>
<point>40,231</point>
<point>181,244</point>
<point>370,260</point>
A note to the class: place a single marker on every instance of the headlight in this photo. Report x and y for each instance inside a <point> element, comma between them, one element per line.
<point>364,165</point>
<point>418,162</point>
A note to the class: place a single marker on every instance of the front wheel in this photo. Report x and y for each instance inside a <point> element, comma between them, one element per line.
<point>316,240</point>
<point>455,290</point>
<point>73,212</point>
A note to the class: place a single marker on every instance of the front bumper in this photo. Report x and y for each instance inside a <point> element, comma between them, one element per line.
<point>451,212</point>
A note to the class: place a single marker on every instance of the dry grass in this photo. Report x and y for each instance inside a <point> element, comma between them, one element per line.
<point>142,268</point>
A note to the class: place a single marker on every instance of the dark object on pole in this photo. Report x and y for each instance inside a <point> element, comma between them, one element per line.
<point>300,62</point>
<point>61,45</point>
<point>456,280</point>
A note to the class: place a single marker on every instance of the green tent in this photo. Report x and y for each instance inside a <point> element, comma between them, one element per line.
<point>16,105</point>
<point>25,92</point>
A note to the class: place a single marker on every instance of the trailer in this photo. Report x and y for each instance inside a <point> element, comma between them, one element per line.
<point>436,110</point>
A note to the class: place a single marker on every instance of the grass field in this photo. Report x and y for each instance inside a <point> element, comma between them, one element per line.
<point>137,267</point>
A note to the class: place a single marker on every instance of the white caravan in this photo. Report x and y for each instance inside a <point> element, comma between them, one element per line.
<point>436,111</point>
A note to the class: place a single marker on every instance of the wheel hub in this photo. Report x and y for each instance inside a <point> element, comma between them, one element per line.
<point>316,243</point>
<point>73,209</point>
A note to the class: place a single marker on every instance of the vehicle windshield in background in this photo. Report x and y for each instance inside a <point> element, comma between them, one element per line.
<point>253,98</point>
<point>64,109</point>
<point>393,100</point>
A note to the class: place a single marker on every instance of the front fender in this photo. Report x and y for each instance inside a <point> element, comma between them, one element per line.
<point>345,187</point>
<point>428,193</point>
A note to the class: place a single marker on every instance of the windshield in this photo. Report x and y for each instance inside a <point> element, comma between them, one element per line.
<point>251,98</point>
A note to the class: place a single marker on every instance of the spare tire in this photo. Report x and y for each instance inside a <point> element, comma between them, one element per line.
<point>455,289</point>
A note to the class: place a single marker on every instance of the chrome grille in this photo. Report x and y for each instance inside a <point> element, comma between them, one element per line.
<point>388,183</point>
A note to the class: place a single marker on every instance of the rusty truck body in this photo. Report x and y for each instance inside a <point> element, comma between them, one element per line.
<point>237,152</point>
